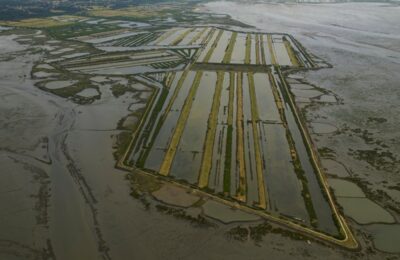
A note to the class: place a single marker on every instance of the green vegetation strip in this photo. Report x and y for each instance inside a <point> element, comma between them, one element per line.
<point>165,35</point>
<point>228,160</point>
<point>198,35</point>
<point>297,165</point>
<point>248,49</point>
<point>262,50</point>
<point>210,135</point>
<point>229,50</point>
<point>175,94</point>
<point>123,162</point>
<point>254,114</point>
<point>347,239</point>
<point>214,44</point>
<point>156,110</point>
<point>241,192</point>
<point>290,51</point>
<point>257,49</point>
<point>228,147</point>
<point>271,50</point>
<point>170,154</point>
<point>182,36</point>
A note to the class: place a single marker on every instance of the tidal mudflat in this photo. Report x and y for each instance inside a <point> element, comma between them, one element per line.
<point>177,104</point>
<point>356,127</point>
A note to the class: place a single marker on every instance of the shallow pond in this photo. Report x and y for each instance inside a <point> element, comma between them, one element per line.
<point>385,237</point>
<point>364,211</point>
<point>335,168</point>
<point>299,86</point>
<point>88,92</point>
<point>74,55</point>
<point>282,55</point>
<point>42,74</point>
<point>219,51</point>
<point>60,84</point>
<point>322,128</point>
<point>306,93</point>
<point>327,99</point>
<point>175,195</point>
<point>225,213</point>
<point>130,122</point>
<point>45,66</point>
<point>343,188</point>
<point>239,50</point>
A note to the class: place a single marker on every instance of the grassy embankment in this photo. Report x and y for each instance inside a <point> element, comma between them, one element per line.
<point>262,52</point>
<point>198,35</point>
<point>259,168</point>
<point>241,192</point>
<point>210,135</point>
<point>229,49</point>
<point>291,53</point>
<point>248,49</point>
<point>344,231</point>
<point>271,50</point>
<point>214,44</point>
<point>295,158</point>
<point>170,154</point>
<point>156,110</point>
<point>165,35</point>
<point>229,136</point>
<point>257,46</point>
<point>182,36</point>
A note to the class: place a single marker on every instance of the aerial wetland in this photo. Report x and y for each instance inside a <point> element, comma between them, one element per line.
<point>206,118</point>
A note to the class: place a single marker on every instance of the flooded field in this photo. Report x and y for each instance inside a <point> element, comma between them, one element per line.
<point>355,115</point>
<point>120,136</point>
<point>235,133</point>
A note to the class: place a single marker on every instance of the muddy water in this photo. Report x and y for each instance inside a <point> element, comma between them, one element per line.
<point>251,174</point>
<point>89,92</point>
<point>60,207</point>
<point>219,149</point>
<point>279,169</point>
<point>239,50</point>
<point>171,90</point>
<point>265,46</point>
<point>219,51</point>
<point>320,204</point>
<point>188,38</point>
<point>298,86</point>
<point>364,211</point>
<point>234,163</point>
<point>163,138</point>
<point>306,93</point>
<point>323,128</point>
<point>60,84</point>
<point>343,188</point>
<point>170,39</point>
<point>203,36</point>
<point>186,164</point>
<point>196,124</point>
<point>281,54</point>
<point>207,48</point>
<point>385,237</point>
<point>225,213</point>
<point>253,47</point>
<point>267,109</point>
